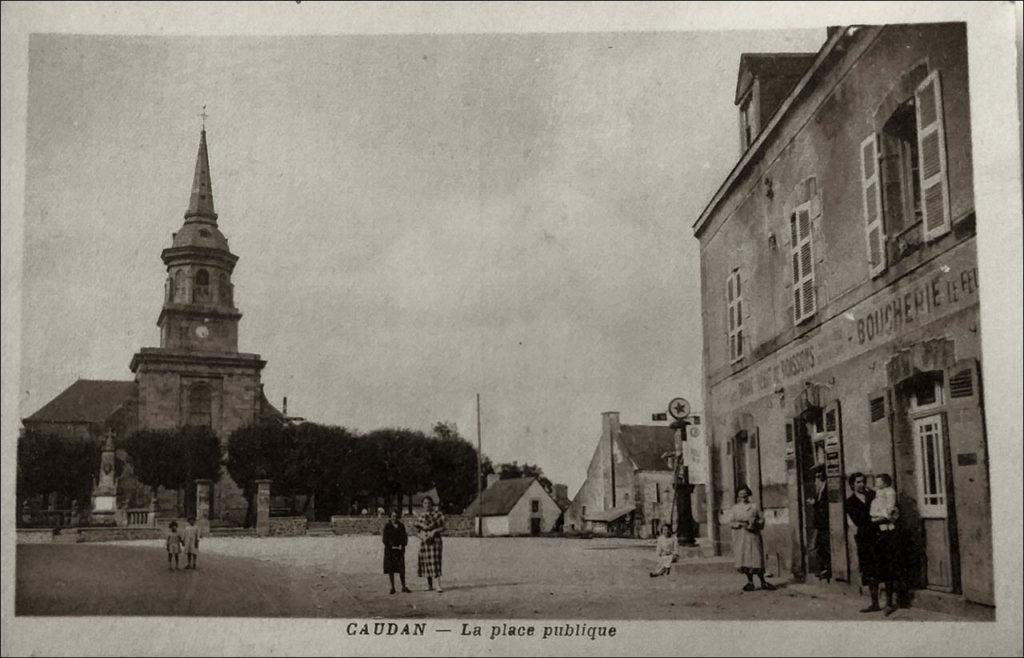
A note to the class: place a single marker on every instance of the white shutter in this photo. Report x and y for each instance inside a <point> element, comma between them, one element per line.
<point>804,293</point>
<point>931,148</point>
<point>872,195</point>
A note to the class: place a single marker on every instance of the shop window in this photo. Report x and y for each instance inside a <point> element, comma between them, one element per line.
<point>734,302</point>
<point>801,252</point>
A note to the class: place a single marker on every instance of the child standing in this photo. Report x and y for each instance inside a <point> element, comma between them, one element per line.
<point>190,538</point>
<point>666,551</point>
<point>173,546</point>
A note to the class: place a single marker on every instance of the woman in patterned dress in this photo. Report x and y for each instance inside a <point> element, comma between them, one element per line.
<point>429,528</point>
<point>747,545</point>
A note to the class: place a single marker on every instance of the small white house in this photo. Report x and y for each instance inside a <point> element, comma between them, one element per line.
<point>517,506</point>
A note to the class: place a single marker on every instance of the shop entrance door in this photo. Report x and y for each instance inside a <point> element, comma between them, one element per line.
<point>934,496</point>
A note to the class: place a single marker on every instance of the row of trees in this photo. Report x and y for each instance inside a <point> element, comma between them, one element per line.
<point>333,464</point>
<point>50,464</point>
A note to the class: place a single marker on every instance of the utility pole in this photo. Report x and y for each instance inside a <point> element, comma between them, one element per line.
<point>479,472</point>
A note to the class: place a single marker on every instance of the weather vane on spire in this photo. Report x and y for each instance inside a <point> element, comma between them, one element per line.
<point>204,115</point>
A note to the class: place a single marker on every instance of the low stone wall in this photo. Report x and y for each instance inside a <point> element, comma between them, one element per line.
<point>118,534</point>
<point>35,535</point>
<point>288,526</point>
<point>457,525</point>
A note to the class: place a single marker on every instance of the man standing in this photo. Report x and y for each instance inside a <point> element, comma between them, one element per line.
<point>819,524</point>
<point>858,509</point>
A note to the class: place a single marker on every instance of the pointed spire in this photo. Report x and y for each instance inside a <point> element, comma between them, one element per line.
<point>200,204</point>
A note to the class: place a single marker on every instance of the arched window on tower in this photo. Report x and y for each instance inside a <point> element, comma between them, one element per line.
<point>201,291</point>
<point>225,290</point>
<point>200,403</point>
<point>180,292</point>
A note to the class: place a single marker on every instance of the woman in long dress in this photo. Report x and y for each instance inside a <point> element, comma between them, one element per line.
<point>747,545</point>
<point>395,539</point>
<point>429,529</point>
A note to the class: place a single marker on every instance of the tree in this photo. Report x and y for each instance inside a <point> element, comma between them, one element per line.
<point>403,459</point>
<point>508,471</point>
<point>453,464</point>
<point>48,463</point>
<point>174,459</point>
<point>256,452</point>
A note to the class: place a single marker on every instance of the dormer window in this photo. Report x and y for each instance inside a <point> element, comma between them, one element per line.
<point>748,121</point>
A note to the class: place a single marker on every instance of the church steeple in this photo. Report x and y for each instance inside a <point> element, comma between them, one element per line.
<point>200,203</point>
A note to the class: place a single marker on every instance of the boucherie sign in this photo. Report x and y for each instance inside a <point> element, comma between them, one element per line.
<point>946,285</point>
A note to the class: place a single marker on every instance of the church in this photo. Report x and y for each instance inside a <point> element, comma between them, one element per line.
<point>195,377</point>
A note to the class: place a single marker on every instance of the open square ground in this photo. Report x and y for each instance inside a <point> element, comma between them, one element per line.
<point>518,578</point>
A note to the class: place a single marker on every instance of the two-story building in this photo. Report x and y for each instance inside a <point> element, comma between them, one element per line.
<point>840,302</point>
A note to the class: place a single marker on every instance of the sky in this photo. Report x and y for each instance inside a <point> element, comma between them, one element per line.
<point>419,218</point>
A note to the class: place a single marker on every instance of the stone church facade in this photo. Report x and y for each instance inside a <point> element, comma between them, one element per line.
<point>196,377</point>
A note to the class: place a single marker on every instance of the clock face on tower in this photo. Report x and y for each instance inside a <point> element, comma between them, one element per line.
<point>202,331</point>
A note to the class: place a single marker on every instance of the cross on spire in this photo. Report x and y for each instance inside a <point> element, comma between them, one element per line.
<point>203,114</point>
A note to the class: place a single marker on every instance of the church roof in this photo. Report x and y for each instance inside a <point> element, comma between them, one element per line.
<point>200,203</point>
<point>87,400</point>
<point>646,444</point>
<point>500,497</point>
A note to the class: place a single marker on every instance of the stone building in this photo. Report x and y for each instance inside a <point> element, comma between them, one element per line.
<point>514,506</point>
<point>840,302</point>
<point>196,376</point>
<point>629,488</point>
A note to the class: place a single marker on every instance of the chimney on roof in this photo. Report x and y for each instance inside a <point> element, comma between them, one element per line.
<point>610,422</point>
<point>284,406</point>
<point>492,478</point>
<point>830,30</point>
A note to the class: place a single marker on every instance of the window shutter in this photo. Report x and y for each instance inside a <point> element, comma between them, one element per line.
<point>879,433</point>
<point>968,450</point>
<point>804,303</point>
<point>931,145</point>
<point>872,196</point>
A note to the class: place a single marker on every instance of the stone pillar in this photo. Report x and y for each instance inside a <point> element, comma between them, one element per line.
<point>203,507</point>
<point>262,508</point>
<point>151,517</point>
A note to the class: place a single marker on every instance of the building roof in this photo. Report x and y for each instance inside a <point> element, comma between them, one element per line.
<point>609,515</point>
<point>775,65</point>
<point>500,497</point>
<point>86,401</point>
<point>835,36</point>
<point>646,445</point>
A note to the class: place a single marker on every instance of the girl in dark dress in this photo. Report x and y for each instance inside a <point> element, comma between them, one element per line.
<point>395,539</point>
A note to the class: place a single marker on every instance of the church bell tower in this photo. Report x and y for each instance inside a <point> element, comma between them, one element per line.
<point>197,377</point>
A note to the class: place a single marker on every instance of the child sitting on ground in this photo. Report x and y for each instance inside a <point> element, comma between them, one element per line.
<point>173,546</point>
<point>666,551</point>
